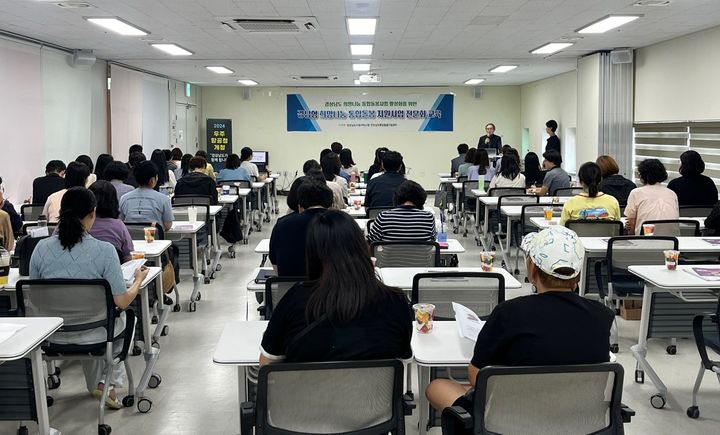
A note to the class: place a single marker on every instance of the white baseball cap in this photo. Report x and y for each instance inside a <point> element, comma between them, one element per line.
<point>554,248</point>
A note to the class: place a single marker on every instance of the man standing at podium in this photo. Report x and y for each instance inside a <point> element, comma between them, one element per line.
<point>490,141</point>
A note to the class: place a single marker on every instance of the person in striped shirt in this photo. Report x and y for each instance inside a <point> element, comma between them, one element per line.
<point>408,220</point>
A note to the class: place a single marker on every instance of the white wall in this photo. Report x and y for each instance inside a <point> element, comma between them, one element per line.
<point>588,108</point>
<point>676,80</point>
<point>261,124</point>
<point>551,98</point>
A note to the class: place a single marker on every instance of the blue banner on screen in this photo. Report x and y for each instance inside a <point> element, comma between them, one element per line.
<point>340,113</point>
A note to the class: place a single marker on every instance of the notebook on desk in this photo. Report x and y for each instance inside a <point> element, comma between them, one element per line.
<point>128,269</point>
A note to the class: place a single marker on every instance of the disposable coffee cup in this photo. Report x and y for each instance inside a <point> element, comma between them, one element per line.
<point>648,229</point>
<point>192,214</point>
<point>424,314</point>
<point>149,234</point>
<point>487,258</point>
<point>672,258</point>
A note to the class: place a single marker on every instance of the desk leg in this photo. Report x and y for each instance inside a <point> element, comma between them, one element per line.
<point>38,374</point>
<point>150,352</point>
<point>503,251</point>
<point>242,392</point>
<point>639,350</point>
<point>247,223</point>
<point>275,197</point>
<point>162,310</point>
<point>197,276</point>
<point>268,208</point>
<point>264,259</point>
<point>423,404</point>
<point>216,247</point>
<point>456,221</point>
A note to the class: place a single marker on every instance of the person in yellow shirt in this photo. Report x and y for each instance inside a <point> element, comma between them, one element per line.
<point>591,204</point>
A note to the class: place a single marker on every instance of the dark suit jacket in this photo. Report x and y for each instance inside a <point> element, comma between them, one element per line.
<point>46,186</point>
<point>381,189</point>
<point>495,142</point>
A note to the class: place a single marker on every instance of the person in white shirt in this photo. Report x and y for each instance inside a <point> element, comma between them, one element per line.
<point>509,175</point>
<point>246,155</point>
<point>76,174</point>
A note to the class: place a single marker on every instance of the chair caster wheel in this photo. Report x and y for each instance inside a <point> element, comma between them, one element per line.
<point>218,268</point>
<point>192,307</point>
<point>104,429</point>
<point>136,350</point>
<point>177,308</point>
<point>128,401</point>
<point>57,371</point>
<point>614,348</point>
<point>502,264</point>
<point>516,271</point>
<point>671,350</point>
<point>49,401</point>
<point>455,231</point>
<point>23,431</point>
<point>165,331</point>
<point>199,295</point>
<point>657,401</point>
<point>527,280</point>
<point>155,380</point>
<point>693,412</point>
<point>639,377</point>
<point>206,280</point>
<point>154,320</point>
<point>144,405</point>
<point>53,382</point>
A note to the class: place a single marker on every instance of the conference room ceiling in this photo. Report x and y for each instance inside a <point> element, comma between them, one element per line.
<point>417,42</point>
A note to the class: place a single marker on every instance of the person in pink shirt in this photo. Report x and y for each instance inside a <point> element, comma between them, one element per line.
<point>653,200</point>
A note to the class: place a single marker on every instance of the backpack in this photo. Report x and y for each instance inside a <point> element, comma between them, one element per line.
<point>232,230</point>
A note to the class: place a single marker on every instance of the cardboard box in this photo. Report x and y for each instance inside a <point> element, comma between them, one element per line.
<point>631,310</point>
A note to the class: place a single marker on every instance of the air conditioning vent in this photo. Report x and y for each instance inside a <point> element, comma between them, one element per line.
<point>270,25</point>
<point>74,5</point>
<point>654,3</point>
<point>315,78</point>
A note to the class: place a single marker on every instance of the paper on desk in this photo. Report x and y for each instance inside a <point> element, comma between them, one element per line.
<point>706,273</point>
<point>7,330</point>
<point>468,323</point>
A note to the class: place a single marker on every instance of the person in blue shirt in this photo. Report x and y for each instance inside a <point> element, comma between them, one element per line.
<point>145,204</point>
<point>232,170</point>
<point>72,253</point>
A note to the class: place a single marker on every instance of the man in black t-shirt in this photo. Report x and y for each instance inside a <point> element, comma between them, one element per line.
<point>52,182</point>
<point>287,241</point>
<point>553,327</point>
<point>553,142</point>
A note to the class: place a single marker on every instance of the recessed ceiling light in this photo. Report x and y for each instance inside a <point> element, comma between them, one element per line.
<point>503,68</point>
<point>117,25</point>
<point>247,82</point>
<point>551,47</point>
<point>361,49</point>
<point>173,49</point>
<point>361,26</point>
<point>361,67</point>
<point>474,81</point>
<point>357,81</point>
<point>220,69</point>
<point>608,23</point>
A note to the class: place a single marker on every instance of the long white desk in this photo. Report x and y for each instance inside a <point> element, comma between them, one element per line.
<point>542,223</point>
<point>184,229</point>
<point>688,289</point>
<point>362,213</point>
<point>26,343</point>
<point>402,277</point>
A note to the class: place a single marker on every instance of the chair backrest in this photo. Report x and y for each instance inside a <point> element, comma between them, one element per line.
<point>529,211</point>
<point>462,179</point>
<point>180,212</point>
<point>502,191</point>
<point>676,227</point>
<point>479,291</point>
<point>26,227</point>
<point>517,200</point>
<point>373,212</point>
<point>367,225</point>
<point>695,210</point>
<point>568,191</point>
<point>356,397</point>
<point>595,227</point>
<point>191,200</point>
<point>406,254</point>
<point>83,304</point>
<point>31,212</point>
<point>626,251</point>
<point>235,185</point>
<point>137,230</point>
<point>586,399</point>
<point>275,288</point>
<point>468,187</point>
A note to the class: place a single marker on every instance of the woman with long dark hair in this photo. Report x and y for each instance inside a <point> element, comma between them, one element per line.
<point>72,253</point>
<point>591,203</point>
<point>348,164</point>
<point>184,166</point>
<point>319,319</point>
<point>481,166</point>
<point>509,175</point>
<point>108,227</point>
<point>533,173</point>
<point>330,166</point>
<point>166,177</point>
<point>100,164</point>
<point>87,161</point>
<point>377,164</point>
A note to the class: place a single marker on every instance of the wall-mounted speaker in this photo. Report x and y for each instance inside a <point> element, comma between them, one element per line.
<point>624,55</point>
<point>477,92</point>
<point>246,94</point>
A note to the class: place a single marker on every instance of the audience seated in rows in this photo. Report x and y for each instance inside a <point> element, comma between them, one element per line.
<point>75,175</point>
<point>342,312</point>
<point>197,182</point>
<point>481,166</point>
<point>555,176</point>
<point>287,240</point>
<point>144,204</point>
<point>330,167</point>
<point>556,326</point>
<point>612,182</point>
<point>108,227</point>
<point>166,177</point>
<point>465,165</point>
<point>312,169</point>
<point>408,220</point>
<point>53,181</point>
<point>652,201</point>
<point>116,173</point>
<point>348,164</point>
<point>135,159</point>
<point>533,173</point>
<point>337,147</point>
<point>381,190</point>
<point>509,174</point>
<point>692,187</point>
<point>232,170</point>
<point>87,161</point>
<point>591,203</point>
<point>455,163</point>
<point>72,253</point>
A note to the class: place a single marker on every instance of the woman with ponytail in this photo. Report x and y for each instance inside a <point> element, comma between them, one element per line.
<point>72,253</point>
<point>591,203</point>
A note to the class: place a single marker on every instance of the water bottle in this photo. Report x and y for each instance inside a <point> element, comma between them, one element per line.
<point>481,183</point>
<point>42,221</point>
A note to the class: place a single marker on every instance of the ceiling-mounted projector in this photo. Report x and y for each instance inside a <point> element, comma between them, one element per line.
<point>370,78</point>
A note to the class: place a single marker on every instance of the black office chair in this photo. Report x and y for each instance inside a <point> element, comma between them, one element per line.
<point>593,391</point>
<point>31,212</point>
<point>695,210</point>
<point>406,254</point>
<point>595,227</point>
<point>275,289</point>
<point>676,227</point>
<point>479,291</point>
<point>349,398</point>
<point>373,212</point>
<point>703,341</point>
<point>568,191</point>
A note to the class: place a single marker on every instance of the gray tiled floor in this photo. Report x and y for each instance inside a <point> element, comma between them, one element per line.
<point>198,397</point>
